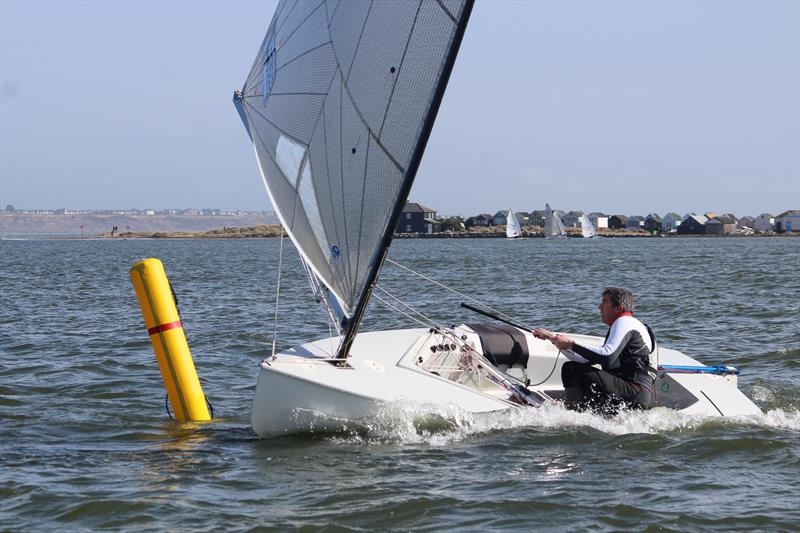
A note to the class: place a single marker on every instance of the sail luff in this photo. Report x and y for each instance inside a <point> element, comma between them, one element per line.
<point>405,188</point>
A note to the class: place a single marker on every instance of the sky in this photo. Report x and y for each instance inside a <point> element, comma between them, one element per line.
<point>621,107</point>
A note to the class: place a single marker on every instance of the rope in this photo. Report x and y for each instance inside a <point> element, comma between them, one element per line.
<point>277,294</point>
<point>401,302</point>
<point>442,285</point>
<point>507,382</point>
<point>407,315</point>
<point>497,312</point>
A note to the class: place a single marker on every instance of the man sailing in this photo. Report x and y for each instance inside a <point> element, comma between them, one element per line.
<point>625,379</point>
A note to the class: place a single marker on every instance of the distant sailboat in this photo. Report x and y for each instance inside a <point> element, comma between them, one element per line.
<point>587,228</point>
<point>513,231</point>
<point>553,227</point>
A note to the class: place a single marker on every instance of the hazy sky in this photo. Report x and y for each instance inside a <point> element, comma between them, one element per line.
<point>622,107</point>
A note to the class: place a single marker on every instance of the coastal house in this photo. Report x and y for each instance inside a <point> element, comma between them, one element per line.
<point>500,218</point>
<point>671,221</point>
<point>617,222</point>
<point>536,218</point>
<point>572,219</point>
<point>416,218</point>
<point>745,222</point>
<point>764,222</point>
<point>693,225</point>
<point>788,221</point>
<point>710,215</point>
<point>634,222</point>
<point>523,217</point>
<point>600,220</point>
<point>483,220</point>
<point>721,225</point>
<point>652,223</point>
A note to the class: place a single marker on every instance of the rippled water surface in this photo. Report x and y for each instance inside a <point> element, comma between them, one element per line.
<point>85,442</point>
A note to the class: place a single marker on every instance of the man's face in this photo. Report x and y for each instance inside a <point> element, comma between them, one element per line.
<point>608,311</point>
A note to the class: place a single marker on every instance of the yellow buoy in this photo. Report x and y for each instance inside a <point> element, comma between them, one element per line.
<point>169,343</point>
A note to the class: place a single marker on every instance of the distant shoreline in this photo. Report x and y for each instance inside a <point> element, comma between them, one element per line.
<point>87,225</point>
<point>271,231</point>
<point>82,226</point>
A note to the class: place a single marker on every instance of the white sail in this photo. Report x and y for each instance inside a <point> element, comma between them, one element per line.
<point>587,228</point>
<point>339,105</point>
<point>513,231</point>
<point>553,227</point>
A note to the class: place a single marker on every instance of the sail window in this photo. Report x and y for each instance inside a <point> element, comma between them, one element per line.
<point>308,197</point>
<point>289,156</point>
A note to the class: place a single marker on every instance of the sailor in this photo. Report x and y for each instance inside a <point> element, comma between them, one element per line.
<point>624,379</point>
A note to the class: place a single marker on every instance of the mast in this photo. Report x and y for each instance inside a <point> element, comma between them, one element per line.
<point>352,325</point>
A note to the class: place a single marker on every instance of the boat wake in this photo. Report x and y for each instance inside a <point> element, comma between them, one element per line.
<point>444,425</point>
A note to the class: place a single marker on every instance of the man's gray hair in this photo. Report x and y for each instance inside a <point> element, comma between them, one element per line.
<point>620,296</point>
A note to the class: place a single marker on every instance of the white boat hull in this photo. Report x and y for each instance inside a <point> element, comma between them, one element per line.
<point>303,390</point>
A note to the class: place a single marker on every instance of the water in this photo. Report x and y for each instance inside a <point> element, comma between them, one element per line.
<point>85,442</point>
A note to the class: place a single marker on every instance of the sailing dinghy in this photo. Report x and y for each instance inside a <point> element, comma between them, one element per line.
<point>513,231</point>
<point>587,228</point>
<point>339,105</point>
<point>553,227</point>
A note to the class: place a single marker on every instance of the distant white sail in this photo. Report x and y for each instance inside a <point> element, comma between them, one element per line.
<point>587,228</point>
<point>339,105</point>
<point>553,227</point>
<point>513,231</point>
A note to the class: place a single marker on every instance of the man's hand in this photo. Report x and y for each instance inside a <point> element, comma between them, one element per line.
<point>562,342</point>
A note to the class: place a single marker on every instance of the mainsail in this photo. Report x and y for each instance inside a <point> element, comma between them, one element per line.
<point>553,227</point>
<point>513,231</point>
<point>587,228</point>
<point>339,105</point>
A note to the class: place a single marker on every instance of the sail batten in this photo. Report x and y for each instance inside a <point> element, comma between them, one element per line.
<point>339,103</point>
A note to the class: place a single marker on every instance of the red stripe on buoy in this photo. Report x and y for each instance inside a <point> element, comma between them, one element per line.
<point>164,327</point>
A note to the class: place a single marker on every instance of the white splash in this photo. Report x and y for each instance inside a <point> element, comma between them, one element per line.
<point>438,425</point>
<point>763,394</point>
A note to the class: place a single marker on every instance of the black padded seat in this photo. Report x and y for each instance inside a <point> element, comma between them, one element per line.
<point>503,344</point>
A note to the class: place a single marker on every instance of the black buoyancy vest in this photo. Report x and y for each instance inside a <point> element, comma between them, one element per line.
<point>634,360</point>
